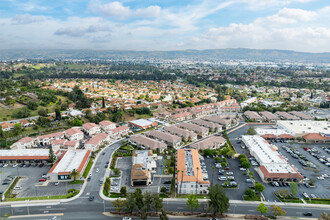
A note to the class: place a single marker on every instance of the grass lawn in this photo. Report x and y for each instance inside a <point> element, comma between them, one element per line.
<point>69,195</point>
<point>149,129</point>
<point>88,167</point>
<point>256,198</point>
<point>116,195</point>
<point>187,195</point>
<point>319,201</point>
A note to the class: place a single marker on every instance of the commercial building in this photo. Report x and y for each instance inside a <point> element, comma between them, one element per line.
<point>316,138</point>
<point>300,128</point>
<point>169,139</point>
<point>68,161</point>
<point>26,142</point>
<point>210,125</point>
<point>91,128</point>
<point>200,131</point>
<point>189,177</point>
<point>141,124</point>
<point>212,142</point>
<point>24,156</point>
<point>184,134</point>
<point>147,143</point>
<point>74,134</point>
<point>273,167</point>
<point>143,165</point>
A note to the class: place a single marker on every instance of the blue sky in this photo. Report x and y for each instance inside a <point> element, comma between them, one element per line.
<point>301,25</point>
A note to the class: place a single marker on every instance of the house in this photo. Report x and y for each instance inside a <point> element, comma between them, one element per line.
<point>7,126</point>
<point>57,144</point>
<point>210,125</point>
<point>143,165</point>
<point>74,134</point>
<point>212,142</point>
<point>107,125</point>
<point>189,179</point>
<point>268,116</point>
<point>95,142</point>
<point>46,139</point>
<point>144,142</point>
<point>26,142</point>
<point>164,115</point>
<point>119,132</point>
<point>200,131</point>
<point>225,123</point>
<point>91,128</point>
<point>72,145</point>
<point>184,134</point>
<point>286,116</point>
<point>181,116</point>
<point>253,116</point>
<point>76,113</point>
<point>26,123</point>
<point>169,139</point>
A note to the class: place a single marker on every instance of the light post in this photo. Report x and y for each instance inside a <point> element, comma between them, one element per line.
<point>17,171</point>
<point>28,209</point>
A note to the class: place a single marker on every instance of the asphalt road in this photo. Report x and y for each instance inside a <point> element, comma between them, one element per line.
<point>82,208</point>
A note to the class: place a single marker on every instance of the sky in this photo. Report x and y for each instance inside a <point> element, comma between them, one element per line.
<point>300,25</point>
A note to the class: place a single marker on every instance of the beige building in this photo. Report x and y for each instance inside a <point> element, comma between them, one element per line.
<point>143,165</point>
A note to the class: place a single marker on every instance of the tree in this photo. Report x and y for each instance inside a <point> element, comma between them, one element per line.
<point>119,204</point>
<point>163,189</point>
<point>17,128</point>
<point>58,113</point>
<point>293,188</point>
<point>250,193</point>
<point>147,201</point>
<point>157,202</point>
<point>219,202</point>
<point>163,215</point>
<point>246,164</point>
<point>107,185</point>
<point>277,210</point>
<point>32,105</point>
<point>130,202</point>
<point>123,190</point>
<point>262,208</point>
<point>74,174</point>
<point>192,202</point>
<point>103,102</point>
<point>42,112</point>
<point>259,187</point>
<point>251,131</point>
<point>52,156</point>
<point>139,199</point>
<point>324,216</point>
<point>217,159</point>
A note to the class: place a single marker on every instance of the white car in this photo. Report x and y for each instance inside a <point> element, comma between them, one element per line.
<point>15,165</point>
<point>320,178</point>
<point>325,175</point>
<point>57,183</point>
<point>97,170</point>
<point>5,165</point>
<point>18,187</point>
<point>127,218</point>
<point>90,175</point>
<point>242,169</point>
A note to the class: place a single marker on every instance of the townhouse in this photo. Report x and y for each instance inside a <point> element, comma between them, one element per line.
<point>24,143</point>
<point>74,134</point>
<point>268,116</point>
<point>200,131</point>
<point>46,139</point>
<point>107,125</point>
<point>184,134</point>
<point>144,142</point>
<point>210,125</point>
<point>95,142</point>
<point>119,132</point>
<point>212,142</point>
<point>253,116</point>
<point>169,139</point>
<point>91,128</point>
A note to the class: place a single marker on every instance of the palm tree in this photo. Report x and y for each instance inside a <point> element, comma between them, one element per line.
<point>74,174</point>
<point>213,168</point>
<point>181,181</point>
<point>197,179</point>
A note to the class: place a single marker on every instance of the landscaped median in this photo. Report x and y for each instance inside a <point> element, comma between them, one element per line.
<point>71,193</point>
<point>319,201</point>
<point>88,167</point>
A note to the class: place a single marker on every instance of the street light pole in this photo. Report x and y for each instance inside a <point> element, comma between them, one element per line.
<point>28,210</point>
<point>17,171</point>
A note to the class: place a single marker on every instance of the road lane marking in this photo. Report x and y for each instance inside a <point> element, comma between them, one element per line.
<point>251,210</point>
<point>179,208</point>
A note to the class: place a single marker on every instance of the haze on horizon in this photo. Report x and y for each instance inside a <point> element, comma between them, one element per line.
<point>299,25</point>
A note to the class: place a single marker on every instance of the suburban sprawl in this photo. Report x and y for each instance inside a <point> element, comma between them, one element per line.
<point>156,137</point>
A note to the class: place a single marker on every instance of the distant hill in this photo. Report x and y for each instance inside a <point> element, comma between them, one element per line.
<point>216,54</point>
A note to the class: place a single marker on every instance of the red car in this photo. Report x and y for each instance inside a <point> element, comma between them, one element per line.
<point>42,180</point>
<point>227,168</point>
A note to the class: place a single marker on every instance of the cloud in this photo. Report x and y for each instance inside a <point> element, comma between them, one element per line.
<point>118,10</point>
<point>27,19</point>
<point>261,4</point>
<point>81,31</point>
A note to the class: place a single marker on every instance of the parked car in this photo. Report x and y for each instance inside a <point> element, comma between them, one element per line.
<point>307,214</point>
<point>127,218</point>
<point>249,181</point>
<point>313,196</point>
<point>5,165</point>
<point>18,187</point>
<point>227,168</point>
<point>167,182</point>
<point>15,165</point>
<point>57,183</point>
<point>305,195</point>
<point>42,180</point>
<point>242,169</point>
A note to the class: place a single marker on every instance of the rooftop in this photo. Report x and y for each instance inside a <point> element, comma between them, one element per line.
<point>141,122</point>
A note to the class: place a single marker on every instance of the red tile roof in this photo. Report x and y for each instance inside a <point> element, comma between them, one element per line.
<point>26,140</point>
<point>268,136</point>
<point>315,136</point>
<point>84,161</point>
<point>286,136</point>
<point>267,174</point>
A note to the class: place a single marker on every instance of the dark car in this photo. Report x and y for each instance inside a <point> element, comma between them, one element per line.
<point>5,183</point>
<point>106,166</point>
<point>91,198</point>
<point>307,214</point>
<point>167,182</point>
<point>103,153</point>
<point>28,165</point>
<point>41,165</point>
<point>89,178</point>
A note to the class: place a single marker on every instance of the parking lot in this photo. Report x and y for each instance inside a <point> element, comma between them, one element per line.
<point>125,165</point>
<point>31,187</point>
<point>322,186</point>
